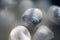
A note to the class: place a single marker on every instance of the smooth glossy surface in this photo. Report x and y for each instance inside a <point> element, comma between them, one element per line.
<point>54,14</point>
<point>32,16</point>
<point>20,33</point>
<point>43,33</point>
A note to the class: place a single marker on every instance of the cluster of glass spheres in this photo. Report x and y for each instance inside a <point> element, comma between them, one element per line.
<point>32,17</point>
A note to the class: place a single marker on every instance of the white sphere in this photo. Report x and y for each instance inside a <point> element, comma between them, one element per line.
<point>32,16</point>
<point>54,14</point>
<point>43,33</point>
<point>20,33</point>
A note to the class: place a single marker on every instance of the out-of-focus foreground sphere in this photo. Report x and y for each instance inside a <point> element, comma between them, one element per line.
<point>43,33</point>
<point>54,14</point>
<point>20,33</point>
<point>32,16</point>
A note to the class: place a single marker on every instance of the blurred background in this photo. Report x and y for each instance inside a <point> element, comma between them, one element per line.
<point>11,11</point>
